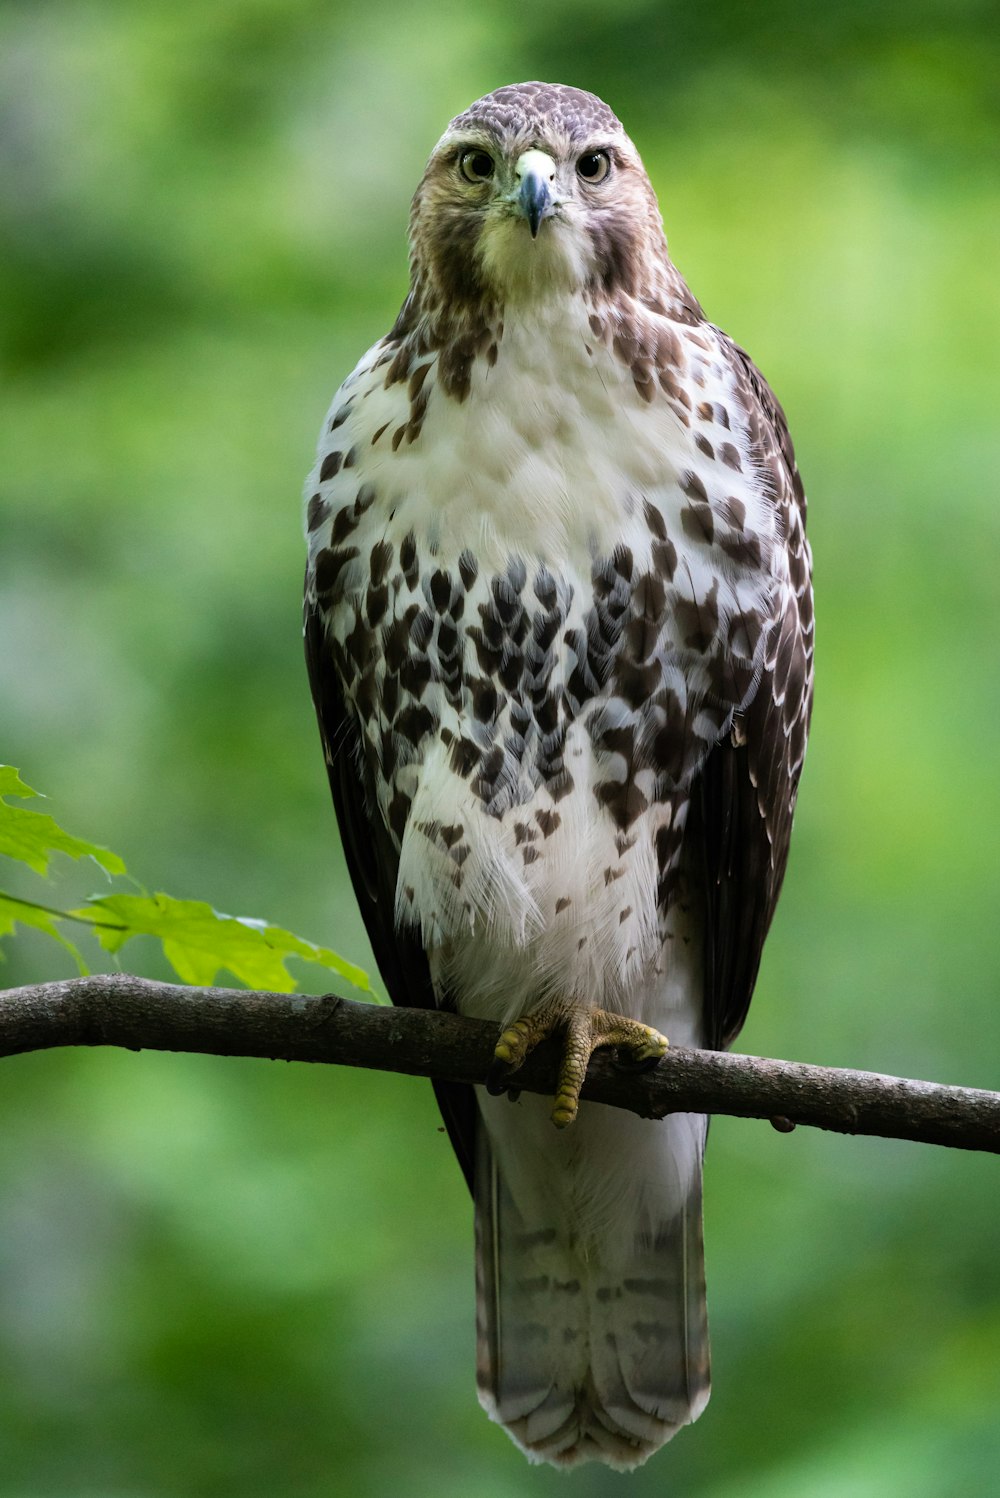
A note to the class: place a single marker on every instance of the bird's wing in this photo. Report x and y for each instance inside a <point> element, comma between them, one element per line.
<point>741,812</point>
<point>372,861</point>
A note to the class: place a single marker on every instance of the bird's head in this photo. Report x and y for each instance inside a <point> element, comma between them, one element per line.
<point>535,189</point>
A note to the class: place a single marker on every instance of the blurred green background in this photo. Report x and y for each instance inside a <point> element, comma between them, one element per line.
<point>221,1278</point>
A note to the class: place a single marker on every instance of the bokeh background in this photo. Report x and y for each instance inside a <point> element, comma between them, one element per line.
<point>221,1278</point>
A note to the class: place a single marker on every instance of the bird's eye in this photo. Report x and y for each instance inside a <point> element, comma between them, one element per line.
<point>594,166</point>
<point>476,166</point>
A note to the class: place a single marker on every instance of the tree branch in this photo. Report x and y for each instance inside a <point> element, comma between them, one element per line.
<point>120,1010</point>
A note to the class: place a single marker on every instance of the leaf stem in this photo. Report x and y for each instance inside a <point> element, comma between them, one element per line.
<point>62,915</point>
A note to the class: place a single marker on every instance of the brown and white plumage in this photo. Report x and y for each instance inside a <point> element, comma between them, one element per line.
<point>559,631</point>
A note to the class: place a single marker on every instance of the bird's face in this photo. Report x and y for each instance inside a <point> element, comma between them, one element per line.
<point>519,207</point>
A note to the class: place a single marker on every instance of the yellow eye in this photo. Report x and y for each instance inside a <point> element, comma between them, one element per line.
<point>594,166</point>
<point>476,166</point>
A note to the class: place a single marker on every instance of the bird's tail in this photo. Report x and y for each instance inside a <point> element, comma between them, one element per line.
<point>592,1326</point>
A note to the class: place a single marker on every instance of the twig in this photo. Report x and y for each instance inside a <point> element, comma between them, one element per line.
<point>134,1013</point>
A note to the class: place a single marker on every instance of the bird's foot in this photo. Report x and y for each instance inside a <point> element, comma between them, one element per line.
<point>586,1030</point>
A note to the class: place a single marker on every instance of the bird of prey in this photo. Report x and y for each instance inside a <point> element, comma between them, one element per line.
<point>559,632</point>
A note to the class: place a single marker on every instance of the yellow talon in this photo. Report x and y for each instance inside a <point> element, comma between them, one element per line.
<point>586,1031</point>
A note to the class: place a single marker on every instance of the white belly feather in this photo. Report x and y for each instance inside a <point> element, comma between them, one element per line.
<point>551,462</point>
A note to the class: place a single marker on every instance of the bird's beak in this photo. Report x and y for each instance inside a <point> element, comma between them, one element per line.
<point>536,172</point>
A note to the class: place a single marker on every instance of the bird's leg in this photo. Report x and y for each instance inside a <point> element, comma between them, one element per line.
<point>638,1046</point>
<point>586,1031</point>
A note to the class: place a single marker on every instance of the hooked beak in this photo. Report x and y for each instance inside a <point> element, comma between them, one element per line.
<point>535,200</point>
<point>536,169</point>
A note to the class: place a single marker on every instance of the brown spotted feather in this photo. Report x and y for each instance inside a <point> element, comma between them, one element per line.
<point>372,863</point>
<point>742,822</point>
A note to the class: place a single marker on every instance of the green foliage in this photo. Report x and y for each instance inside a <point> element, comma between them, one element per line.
<point>32,836</point>
<point>15,912</point>
<point>197,941</point>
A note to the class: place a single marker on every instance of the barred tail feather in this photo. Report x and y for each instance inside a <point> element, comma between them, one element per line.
<point>592,1345</point>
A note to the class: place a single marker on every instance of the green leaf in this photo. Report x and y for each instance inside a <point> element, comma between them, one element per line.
<point>11,784</point>
<point>198,941</point>
<point>14,912</point>
<point>31,836</point>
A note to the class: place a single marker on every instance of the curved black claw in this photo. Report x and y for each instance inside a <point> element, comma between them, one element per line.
<point>497,1079</point>
<point>625,1060</point>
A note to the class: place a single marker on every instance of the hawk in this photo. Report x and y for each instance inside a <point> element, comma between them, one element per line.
<point>559,632</point>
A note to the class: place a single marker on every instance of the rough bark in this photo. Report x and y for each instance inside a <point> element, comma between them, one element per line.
<point>136,1014</point>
